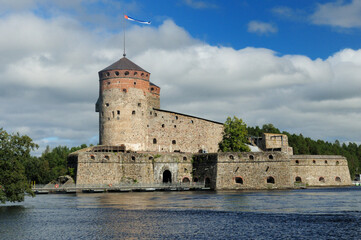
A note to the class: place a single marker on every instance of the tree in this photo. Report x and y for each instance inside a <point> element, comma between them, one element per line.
<point>14,151</point>
<point>234,136</point>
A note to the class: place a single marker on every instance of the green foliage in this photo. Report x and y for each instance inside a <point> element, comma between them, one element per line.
<point>304,145</point>
<point>14,151</point>
<point>234,136</point>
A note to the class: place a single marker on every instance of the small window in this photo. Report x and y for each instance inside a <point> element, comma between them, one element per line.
<point>126,73</point>
<point>151,113</point>
<point>231,157</point>
<point>195,179</point>
<point>176,117</point>
<point>270,180</point>
<point>117,73</point>
<point>175,126</point>
<point>124,90</point>
<point>135,83</point>
<point>155,114</point>
<point>184,158</point>
<point>192,121</point>
<point>325,161</point>
<point>106,157</point>
<point>108,74</point>
<point>113,114</point>
<point>298,180</point>
<point>108,83</point>
<point>133,112</point>
<point>270,156</point>
<point>297,162</point>
<point>337,162</point>
<point>139,104</point>
<point>314,161</point>
<point>251,157</point>
<point>238,180</point>
<point>154,140</point>
<point>185,180</point>
<point>174,142</point>
<point>135,73</point>
<point>321,179</point>
<point>133,158</point>
<point>151,158</point>
<point>107,104</point>
<point>152,89</point>
<point>338,179</point>
<point>162,125</point>
<point>146,75</point>
<point>108,118</point>
<point>118,112</point>
<point>142,74</point>
<point>92,157</point>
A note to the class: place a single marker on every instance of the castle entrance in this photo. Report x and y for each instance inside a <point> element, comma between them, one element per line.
<point>167,176</point>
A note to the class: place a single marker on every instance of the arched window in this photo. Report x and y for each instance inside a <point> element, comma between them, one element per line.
<point>92,157</point>
<point>106,157</point>
<point>174,142</point>
<point>297,162</point>
<point>231,157</point>
<point>133,112</point>
<point>321,179</point>
<point>186,180</point>
<point>184,158</point>
<point>298,179</point>
<point>270,180</point>
<point>126,73</point>
<point>207,182</point>
<point>338,179</point>
<point>133,158</point>
<point>270,156</point>
<point>154,140</point>
<point>238,180</point>
<point>251,157</point>
<point>195,179</point>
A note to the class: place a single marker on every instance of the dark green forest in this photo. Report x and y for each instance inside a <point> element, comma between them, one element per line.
<point>305,145</point>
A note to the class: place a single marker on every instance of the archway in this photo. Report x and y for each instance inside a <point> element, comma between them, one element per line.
<point>207,182</point>
<point>167,176</point>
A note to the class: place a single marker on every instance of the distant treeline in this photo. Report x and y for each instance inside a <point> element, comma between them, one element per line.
<point>50,165</point>
<point>304,145</point>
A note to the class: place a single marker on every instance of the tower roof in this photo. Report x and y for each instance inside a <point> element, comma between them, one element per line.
<point>124,64</point>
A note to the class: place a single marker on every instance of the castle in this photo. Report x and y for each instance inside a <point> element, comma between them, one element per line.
<point>140,142</point>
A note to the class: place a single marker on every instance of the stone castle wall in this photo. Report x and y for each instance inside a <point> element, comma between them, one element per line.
<point>320,170</point>
<point>219,171</point>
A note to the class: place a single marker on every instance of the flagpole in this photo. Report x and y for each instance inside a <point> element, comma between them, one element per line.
<point>124,36</point>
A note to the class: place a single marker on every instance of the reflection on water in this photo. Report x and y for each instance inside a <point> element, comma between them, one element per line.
<point>302,214</point>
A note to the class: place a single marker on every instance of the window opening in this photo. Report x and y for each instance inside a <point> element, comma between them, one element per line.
<point>239,180</point>
<point>167,176</point>
<point>154,141</point>
<point>270,180</point>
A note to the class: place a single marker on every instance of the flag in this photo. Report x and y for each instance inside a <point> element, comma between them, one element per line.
<point>135,20</point>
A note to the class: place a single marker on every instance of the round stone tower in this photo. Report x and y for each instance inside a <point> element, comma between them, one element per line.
<point>126,100</point>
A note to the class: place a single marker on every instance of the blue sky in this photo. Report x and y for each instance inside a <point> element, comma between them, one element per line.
<point>296,64</point>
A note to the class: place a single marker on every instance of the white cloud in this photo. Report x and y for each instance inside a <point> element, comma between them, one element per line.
<point>49,82</point>
<point>338,14</point>
<point>261,27</point>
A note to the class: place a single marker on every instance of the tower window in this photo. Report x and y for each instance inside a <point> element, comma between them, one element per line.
<point>126,73</point>
<point>270,157</point>
<point>124,90</point>
<point>175,126</point>
<point>135,83</point>
<point>118,112</point>
<point>133,112</point>
<point>251,157</point>
<point>174,142</point>
<point>139,104</point>
<point>113,113</point>
<point>107,104</point>
<point>152,89</point>
<point>108,74</point>
<point>117,73</point>
<point>108,83</point>
<point>176,117</point>
<point>135,73</point>
<point>162,125</point>
<point>142,74</point>
<point>154,141</point>
<point>151,112</point>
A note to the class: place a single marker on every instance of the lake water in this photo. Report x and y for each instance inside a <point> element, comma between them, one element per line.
<point>330,213</point>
